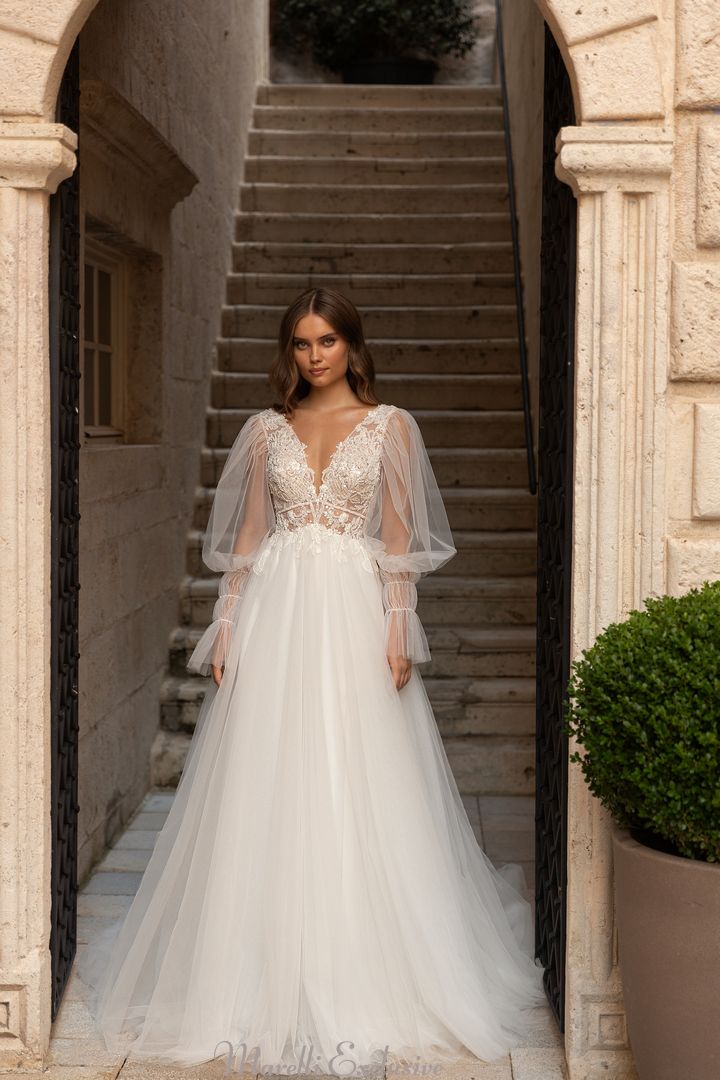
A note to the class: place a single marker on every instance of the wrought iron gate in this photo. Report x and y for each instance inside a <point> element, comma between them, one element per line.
<point>64,305</point>
<point>557,292</point>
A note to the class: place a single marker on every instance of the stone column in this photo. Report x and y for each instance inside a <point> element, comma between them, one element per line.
<point>34,158</point>
<point>620,175</point>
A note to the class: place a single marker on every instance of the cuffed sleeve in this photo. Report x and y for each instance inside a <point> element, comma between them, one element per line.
<point>410,533</point>
<point>404,633</point>
<point>241,518</point>
<point>212,648</point>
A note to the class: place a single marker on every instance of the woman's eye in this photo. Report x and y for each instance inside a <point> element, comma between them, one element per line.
<point>330,341</point>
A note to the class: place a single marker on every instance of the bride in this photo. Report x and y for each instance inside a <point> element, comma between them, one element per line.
<point>316,900</point>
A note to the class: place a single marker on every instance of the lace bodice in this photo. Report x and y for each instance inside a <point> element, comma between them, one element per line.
<point>377,493</point>
<point>347,485</point>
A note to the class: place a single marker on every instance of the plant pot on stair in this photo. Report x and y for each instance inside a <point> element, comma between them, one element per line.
<point>644,705</point>
<point>377,41</point>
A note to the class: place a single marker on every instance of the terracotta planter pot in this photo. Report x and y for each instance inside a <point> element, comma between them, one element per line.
<point>668,917</point>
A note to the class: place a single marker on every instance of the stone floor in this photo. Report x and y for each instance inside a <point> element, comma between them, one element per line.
<point>503,825</point>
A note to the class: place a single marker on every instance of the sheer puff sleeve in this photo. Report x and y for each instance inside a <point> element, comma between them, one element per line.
<point>241,517</point>
<point>409,533</point>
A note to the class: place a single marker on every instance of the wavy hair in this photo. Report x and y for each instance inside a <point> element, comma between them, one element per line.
<point>333,306</point>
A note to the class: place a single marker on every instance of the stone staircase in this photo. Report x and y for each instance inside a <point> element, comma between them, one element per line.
<point>397,196</point>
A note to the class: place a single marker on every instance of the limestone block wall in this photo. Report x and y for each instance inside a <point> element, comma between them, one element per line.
<point>693,528</point>
<point>190,72</point>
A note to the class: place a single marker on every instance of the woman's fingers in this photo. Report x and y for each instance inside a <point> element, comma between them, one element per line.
<point>216,674</point>
<point>401,668</point>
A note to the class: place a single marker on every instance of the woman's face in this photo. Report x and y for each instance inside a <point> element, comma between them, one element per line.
<point>320,353</point>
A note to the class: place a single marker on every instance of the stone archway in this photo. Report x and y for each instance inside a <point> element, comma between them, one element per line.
<point>618,162</point>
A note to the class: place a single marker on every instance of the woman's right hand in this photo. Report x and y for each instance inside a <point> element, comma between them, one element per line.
<point>217,674</point>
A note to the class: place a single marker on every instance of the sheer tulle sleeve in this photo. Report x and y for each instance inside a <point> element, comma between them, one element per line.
<point>241,517</point>
<point>409,532</point>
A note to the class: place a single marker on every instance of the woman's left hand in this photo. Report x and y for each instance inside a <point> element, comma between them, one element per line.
<point>401,668</point>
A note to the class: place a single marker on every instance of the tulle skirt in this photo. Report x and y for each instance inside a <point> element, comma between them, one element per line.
<point>317,900</point>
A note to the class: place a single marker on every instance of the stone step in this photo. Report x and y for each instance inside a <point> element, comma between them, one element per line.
<point>381,228</point>
<point>362,117</point>
<point>444,145</point>
<point>233,389</point>
<point>492,764</point>
<point>412,290</point>
<point>489,509</point>
<point>408,259</point>
<point>486,706</point>
<point>412,171</point>
<point>476,650</point>
<point>442,601</point>
<point>480,553</point>
<point>481,765</point>
<point>481,468</point>
<point>351,199</point>
<point>499,428</point>
<point>481,320</point>
<point>470,508</point>
<point>394,355</point>
<point>463,467</point>
<point>459,651</point>
<point>440,95</point>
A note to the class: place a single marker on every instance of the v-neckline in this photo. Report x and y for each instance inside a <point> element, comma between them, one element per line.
<point>303,447</point>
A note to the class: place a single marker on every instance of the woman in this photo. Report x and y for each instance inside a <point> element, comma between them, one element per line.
<point>317,900</point>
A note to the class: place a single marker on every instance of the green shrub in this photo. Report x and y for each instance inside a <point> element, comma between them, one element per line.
<point>644,703</point>
<point>339,31</point>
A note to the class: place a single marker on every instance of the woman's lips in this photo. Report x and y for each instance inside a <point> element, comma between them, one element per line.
<point>318,371</point>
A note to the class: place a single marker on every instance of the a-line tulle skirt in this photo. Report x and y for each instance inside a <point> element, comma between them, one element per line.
<point>317,900</point>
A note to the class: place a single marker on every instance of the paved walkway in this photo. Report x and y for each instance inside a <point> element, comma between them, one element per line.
<point>503,825</point>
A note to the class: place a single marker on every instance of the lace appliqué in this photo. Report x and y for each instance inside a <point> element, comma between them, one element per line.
<point>348,482</point>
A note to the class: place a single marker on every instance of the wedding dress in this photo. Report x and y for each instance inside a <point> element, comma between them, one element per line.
<point>317,897</point>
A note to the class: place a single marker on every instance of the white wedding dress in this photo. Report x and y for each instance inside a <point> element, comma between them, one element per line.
<point>317,900</point>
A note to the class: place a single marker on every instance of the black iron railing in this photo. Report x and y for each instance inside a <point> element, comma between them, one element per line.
<point>519,299</point>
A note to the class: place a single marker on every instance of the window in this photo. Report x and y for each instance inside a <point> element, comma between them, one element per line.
<point>103,344</point>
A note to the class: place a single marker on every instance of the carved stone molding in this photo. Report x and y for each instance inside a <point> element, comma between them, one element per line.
<point>119,135</point>
<point>620,175</point>
<point>36,155</point>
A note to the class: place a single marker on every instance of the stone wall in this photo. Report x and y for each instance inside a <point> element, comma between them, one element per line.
<point>191,77</point>
<point>693,541</point>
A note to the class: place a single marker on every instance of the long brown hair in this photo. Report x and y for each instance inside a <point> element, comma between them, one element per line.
<point>343,316</point>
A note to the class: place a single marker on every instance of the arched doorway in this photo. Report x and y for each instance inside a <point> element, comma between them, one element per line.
<point>617,160</point>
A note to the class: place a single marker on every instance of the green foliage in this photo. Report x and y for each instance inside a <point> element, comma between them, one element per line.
<point>339,31</point>
<point>644,703</point>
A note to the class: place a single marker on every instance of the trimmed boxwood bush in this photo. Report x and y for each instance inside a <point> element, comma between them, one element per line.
<point>340,31</point>
<point>644,704</point>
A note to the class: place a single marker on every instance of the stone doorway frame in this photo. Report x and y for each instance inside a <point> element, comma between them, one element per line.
<point>618,162</point>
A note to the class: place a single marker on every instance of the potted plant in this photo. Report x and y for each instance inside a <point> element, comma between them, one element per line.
<point>644,704</point>
<point>377,41</point>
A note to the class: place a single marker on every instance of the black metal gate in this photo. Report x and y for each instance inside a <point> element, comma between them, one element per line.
<point>64,306</point>
<point>557,292</point>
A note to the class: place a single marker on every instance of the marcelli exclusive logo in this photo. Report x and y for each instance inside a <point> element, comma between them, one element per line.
<point>241,1060</point>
